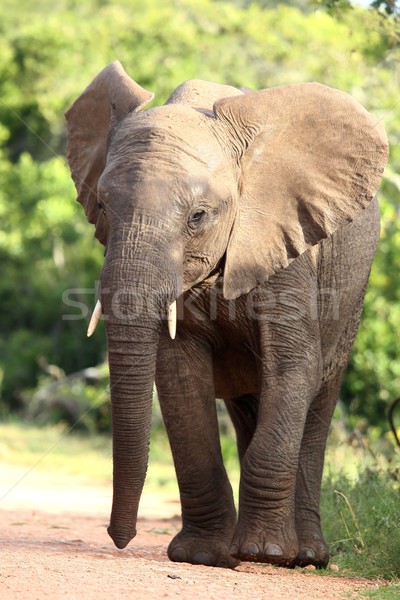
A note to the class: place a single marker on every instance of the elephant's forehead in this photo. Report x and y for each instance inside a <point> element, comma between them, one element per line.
<point>169,116</point>
<point>175,126</point>
<point>172,138</point>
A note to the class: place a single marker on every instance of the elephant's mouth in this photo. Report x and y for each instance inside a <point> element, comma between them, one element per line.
<point>201,269</point>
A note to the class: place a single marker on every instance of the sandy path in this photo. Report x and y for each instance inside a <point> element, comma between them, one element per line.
<point>54,545</point>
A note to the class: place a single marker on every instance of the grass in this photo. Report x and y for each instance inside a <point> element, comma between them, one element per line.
<point>89,457</point>
<point>360,500</point>
<point>360,506</point>
<point>51,448</point>
<point>390,592</point>
<point>361,522</point>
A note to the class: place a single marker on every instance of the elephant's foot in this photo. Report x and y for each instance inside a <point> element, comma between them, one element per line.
<point>201,548</point>
<point>312,551</point>
<point>265,547</point>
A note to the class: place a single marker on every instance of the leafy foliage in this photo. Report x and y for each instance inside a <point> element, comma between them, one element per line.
<point>50,53</point>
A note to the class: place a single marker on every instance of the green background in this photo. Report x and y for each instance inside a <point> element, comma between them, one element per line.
<point>50,54</point>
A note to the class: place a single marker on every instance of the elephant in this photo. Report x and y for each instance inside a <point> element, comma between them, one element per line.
<point>239,229</point>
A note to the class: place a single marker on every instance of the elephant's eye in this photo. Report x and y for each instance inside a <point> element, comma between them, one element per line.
<point>100,206</point>
<point>196,217</point>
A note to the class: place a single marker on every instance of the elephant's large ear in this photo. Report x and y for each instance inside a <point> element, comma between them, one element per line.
<point>311,159</point>
<point>110,96</point>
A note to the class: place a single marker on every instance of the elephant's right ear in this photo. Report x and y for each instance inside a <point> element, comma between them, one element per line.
<point>110,96</point>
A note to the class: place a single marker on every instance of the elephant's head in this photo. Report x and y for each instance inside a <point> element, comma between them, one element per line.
<point>214,179</point>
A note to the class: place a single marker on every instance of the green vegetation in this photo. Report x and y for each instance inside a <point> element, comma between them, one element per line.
<point>384,593</point>
<point>49,261</point>
<point>360,506</point>
<point>361,521</point>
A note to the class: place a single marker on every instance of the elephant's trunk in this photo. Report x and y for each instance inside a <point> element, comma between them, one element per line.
<point>132,373</point>
<point>136,292</point>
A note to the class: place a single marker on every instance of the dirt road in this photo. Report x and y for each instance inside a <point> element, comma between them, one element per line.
<point>53,544</point>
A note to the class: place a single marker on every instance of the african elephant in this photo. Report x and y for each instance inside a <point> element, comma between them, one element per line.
<point>257,212</point>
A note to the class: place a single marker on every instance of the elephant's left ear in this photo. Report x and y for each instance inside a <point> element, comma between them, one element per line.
<point>311,160</point>
<point>107,100</point>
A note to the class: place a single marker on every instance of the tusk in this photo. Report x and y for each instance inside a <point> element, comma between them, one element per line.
<point>171,317</point>
<point>96,316</point>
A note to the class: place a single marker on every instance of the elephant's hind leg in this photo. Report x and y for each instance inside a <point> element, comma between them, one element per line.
<point>243,413</point>
<point>313,549</point>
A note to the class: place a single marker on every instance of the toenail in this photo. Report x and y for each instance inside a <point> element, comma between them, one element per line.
<point>250,549</point>
<point>201,558</point>
<point>273,550</point>
<point>223,563</point>
<point>179,554</point>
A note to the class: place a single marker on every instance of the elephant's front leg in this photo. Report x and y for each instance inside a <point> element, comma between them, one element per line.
<point>186,393</point>
<point>290,372</point>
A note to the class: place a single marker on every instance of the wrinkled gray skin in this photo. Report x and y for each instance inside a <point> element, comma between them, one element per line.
<point>257,214</point>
